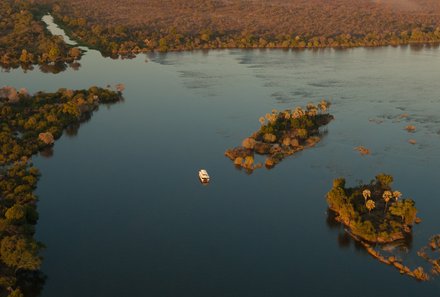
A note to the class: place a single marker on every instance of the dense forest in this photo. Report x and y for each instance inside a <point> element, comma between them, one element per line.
<point>127,27</point>
<point>29,124</point>
<point>25,41</point>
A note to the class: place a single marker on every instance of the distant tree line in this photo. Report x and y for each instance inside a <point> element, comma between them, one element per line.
<point>115,39</point>
<point>25,41</point>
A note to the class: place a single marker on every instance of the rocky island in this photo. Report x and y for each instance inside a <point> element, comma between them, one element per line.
<point>282,133</point>
<point>431,253</point>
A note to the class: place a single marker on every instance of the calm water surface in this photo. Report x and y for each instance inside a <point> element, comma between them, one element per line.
<point>122,212</point>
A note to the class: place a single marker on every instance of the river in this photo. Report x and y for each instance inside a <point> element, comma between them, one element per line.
<point>122,212</point>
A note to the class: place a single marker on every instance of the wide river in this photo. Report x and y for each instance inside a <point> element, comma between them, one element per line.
<point>122,212</point>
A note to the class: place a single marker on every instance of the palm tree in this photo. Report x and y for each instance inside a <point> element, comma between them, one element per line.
<point>311,106</point>
<point>312,112</point>
<point>323,105</point>
<point>298,112</point>
<point>370,205</point>
<point>367,194</point>
<point>387,195</point>
<point>397,195</point>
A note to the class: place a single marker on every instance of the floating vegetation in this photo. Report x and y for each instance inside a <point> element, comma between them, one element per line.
<point>282,133</point>
<point>363,150</point>
<point>410,128</point>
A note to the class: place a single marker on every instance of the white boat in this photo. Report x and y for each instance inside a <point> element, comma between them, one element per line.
<point>203,175</point>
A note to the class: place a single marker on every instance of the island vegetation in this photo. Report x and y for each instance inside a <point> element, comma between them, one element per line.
<point>282,133</point>
<point>376,217</point>
<point>25,41</point>
<point>29,124</point>
<point>135,26</point>
<point>373,212</point>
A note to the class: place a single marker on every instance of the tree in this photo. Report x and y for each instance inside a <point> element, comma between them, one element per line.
<point>248,143</point>
<point>302,133</point>
<point>16,213</point>
<point>323,105</point>
<point>24,56</point>
<point>238,161</point>
<point>19,252</point>
<point>16,293</point>
<point>367,194</point>
<point>387,195</point>
<point>54,53</point>
<point>370,204</point>
<point>75,53</point>
<point>397,195</point>
<point>248,162</point>
<point>385,180</point>
<point>339,183</point>
<point>406,210</point>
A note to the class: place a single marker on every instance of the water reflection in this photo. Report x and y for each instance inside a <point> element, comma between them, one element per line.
<point>47,152</point>
<point>345,240</point>
<point>53,68</point>
<point>31,283</point>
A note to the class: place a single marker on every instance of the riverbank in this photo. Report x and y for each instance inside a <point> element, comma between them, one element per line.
<point>176,27</point>
<point>31,124</point>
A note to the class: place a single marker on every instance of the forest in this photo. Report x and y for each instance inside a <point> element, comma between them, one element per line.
<point>31,124</point>
<point>128,27</point>
<point>25,41</point>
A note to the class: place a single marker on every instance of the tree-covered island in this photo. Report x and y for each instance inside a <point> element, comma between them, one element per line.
<point>376,215</point>
<point>28,124</point>
<point>282,133</point>
<point>373,212</point>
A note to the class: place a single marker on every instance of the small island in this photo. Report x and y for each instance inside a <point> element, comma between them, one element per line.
<point>30,124</point>
<point>374,215</point>
<point>373,212</point>
<point>282,133</point>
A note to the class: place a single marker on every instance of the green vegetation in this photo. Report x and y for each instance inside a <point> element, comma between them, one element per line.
<point>379,220</point>
<point>373,212</point>
<point>25,41</point>
<point>30,124</point>
<point>176,25</point>
<point>282,134</point>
